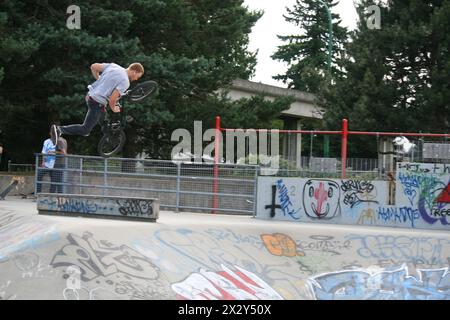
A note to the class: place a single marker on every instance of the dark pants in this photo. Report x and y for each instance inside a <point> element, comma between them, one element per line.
<point>95,114</point>
<point>57,177</point>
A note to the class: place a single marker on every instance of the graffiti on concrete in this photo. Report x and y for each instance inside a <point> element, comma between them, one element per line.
<point>321,199</point>
<point>365,284</point>
<point>357,192</point>
<point>285,201</point>
<point>367,216</point>
<point>398,215</point>
<point>324,243</point>
<point>273,206</point>
<point>421,251</point>
<point>19,234</point>
<point>136,207</point>
<point>227,284</point>
<point>281,245</point>
<point>3,291</point>
<point>110,265</point>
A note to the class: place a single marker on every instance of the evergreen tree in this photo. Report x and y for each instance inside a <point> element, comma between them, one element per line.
<point>397,77</point>
<point>306,53</point>
<point>191,48</point>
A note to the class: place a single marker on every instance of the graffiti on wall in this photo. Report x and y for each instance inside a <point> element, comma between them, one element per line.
<point>281,245</point>
<point>398,215</point>
<point>365,284</point>
<point>426,187</point>
<point>227,284</point>
<point>285,203</point>
<point>358,192</point>
<point>136,207</point>
<point>420,251</point>
<point>121,268</point>
<point>321,199</point>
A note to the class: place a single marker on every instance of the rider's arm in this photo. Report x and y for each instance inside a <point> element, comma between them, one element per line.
<point>96,69</point>
<point>113,100</point>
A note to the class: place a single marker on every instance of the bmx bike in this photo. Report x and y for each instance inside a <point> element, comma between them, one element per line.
<point>113,128</point>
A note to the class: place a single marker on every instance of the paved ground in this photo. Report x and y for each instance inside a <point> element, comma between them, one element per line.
<point>198,256</point>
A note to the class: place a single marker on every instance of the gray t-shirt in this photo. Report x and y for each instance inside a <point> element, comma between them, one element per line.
<point>113,77</point>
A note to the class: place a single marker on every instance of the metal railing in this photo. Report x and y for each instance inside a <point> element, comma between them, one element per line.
<point>20,167</point>
<point>178,185</point>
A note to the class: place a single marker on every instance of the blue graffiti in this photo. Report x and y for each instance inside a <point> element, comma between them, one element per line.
<point>398,215</point>
<point>420,250</point>
<point>285,201</point>
<point>431,284</point>
<point>79,206</point>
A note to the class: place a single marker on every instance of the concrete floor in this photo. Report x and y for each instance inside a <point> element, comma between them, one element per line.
<point>201,256</point>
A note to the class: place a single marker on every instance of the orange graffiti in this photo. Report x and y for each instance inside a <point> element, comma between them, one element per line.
<point>280,244</point>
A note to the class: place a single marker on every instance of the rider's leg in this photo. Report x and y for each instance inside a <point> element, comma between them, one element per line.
<point>95,112</point>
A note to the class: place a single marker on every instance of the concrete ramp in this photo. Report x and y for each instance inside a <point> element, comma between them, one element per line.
<point>205,256</point>
<point>112,207</point>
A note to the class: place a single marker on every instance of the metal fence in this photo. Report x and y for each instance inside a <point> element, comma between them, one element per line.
<point>179,186</point>
<point>20,167</point>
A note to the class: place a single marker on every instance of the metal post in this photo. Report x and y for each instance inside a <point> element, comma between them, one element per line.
<point>81,176</point>
<point>330,37</point>
<point>105,176</point>
<point>344,148</point>
<point>9,165</point>
<point>178,187</point>
<point>36,174</point>
<point>216,165</point>
<point>255,192</point>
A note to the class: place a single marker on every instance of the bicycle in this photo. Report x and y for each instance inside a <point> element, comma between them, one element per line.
<point>114,137</point>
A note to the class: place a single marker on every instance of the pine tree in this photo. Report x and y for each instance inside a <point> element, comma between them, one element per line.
<point>191,48</point>
<point>306,53</point>
<point>397,78</point>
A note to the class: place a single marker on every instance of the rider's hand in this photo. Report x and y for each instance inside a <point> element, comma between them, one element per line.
<point>116,108</point>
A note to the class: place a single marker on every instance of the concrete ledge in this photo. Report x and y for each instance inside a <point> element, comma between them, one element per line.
<point>95,206</point>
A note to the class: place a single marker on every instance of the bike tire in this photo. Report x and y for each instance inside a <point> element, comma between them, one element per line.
<point>110,145</point>
<point>142,91</point>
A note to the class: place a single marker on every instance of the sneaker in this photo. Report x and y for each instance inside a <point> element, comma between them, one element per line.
<point>55,134</point>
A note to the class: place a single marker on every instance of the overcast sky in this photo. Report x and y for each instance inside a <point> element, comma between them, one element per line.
<point>264,33</point>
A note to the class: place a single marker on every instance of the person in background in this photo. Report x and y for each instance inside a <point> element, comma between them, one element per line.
<point>47,163</point>
<point>60,164</point>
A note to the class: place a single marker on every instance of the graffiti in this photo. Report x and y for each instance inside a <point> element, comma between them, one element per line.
<point>19,234</point>
<point>74,205</point>
<point>107,263</point>
<point>237,284</point>
<point>136,207</point>
<point>367,215</point>
<point>398,215</point>
<point>273,206</point>
<point>286,204</point>
<point>435,168</point>
<point>357,192</point>
<point>279,244</point>
<point>3,290</point>
<point>323,243</point>
<point>444,197</point>
<point>102,258</point>
<point>233,237</point>
<point>424,250</point>
<point>365,284</point>
<point>142,291</point>
<point>410,185</point>
<point>321,199</point>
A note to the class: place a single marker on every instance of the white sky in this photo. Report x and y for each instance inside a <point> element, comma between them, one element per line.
<point>264,34</point>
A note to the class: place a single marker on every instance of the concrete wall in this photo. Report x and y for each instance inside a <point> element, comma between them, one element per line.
<point>119,207</point>
<point>25,185</point>
<point>419,198</point>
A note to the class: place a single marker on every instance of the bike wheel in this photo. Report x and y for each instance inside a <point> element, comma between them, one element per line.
<point>112,144</point>
<point>142,91</point>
